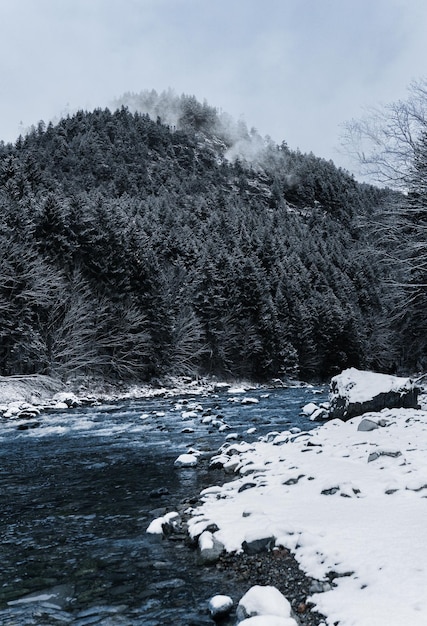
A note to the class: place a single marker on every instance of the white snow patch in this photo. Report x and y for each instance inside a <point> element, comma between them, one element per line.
<point>263,600</point>
<point>206,541</point>
<point>220,605</point>
<point>249,400</point>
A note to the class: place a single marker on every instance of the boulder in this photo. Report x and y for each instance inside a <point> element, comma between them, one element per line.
<point>219,606</point>
<point>210,549</point>
<point>258,545</point>
<point>263,601</point>
<point>354,392</point>
<point>366,425</point>
<point>186,460</point>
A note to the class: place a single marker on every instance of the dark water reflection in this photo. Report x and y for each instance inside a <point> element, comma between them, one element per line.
<point>76,497</point>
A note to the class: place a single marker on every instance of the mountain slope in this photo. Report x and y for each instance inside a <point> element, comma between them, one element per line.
<point>132,248</point>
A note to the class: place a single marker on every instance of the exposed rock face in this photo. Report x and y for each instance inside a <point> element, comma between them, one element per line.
<point>354,392</point>
<point>258,545</point>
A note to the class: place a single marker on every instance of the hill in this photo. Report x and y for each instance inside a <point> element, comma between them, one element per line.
<point>132,247</point>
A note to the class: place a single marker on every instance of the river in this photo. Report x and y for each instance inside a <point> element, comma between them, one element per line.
<point>78,492</point>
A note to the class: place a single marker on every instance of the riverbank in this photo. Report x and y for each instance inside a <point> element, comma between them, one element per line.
<point>37,393</point>
<point>349,500</point>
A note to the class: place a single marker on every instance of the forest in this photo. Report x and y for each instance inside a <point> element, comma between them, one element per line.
<point>160,238</point>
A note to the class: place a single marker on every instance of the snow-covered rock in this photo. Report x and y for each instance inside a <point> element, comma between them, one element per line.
<point>258,544</point>
<point>158,525</point>
<point>59,406</point>
<point>66,397</point>
<point>319,415</point>
<point>309,409</point>
<point>210,549</point>
<point>249,400</point>
<point>186,460</point>
<point>20,410</point>
<point>220,605</point>
<point>263,601</point>
<point>354,392</point>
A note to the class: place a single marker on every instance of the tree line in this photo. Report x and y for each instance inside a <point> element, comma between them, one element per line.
<point>132,248</point>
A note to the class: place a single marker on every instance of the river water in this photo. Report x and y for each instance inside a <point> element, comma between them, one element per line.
<point>78,492</point>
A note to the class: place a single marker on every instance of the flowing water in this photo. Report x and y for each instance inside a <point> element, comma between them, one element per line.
<point>78,491</point>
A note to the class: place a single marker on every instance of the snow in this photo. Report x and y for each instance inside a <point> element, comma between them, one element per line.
<point>42,597</point>
<point>220,605</point>
<point>156,526</point>
<point>309,409</point>
<point>249,400</point>
<point>206,541</point>
<point>361,386</point>
<point>186,415</point>
<point>241,388</point>
<point>340,508</point>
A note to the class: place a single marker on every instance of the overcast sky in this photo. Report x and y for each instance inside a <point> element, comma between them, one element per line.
<point>294,69</point>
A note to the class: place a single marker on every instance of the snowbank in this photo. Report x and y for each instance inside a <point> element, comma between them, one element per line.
<point>33,389</point>
<point>351,504</point>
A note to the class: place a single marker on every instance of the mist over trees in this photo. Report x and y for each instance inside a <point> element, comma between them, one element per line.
<point>175,241</point>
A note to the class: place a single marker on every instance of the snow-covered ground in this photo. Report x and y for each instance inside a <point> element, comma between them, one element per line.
<point>346,500</point>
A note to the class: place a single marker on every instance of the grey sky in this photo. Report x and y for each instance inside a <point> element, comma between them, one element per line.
<point>293,69</point>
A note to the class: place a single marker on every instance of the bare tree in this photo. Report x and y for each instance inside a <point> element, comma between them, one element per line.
<point>385,140</point>
<point>89,335</point>
<point>391,146</point>
<point>188,344</point>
